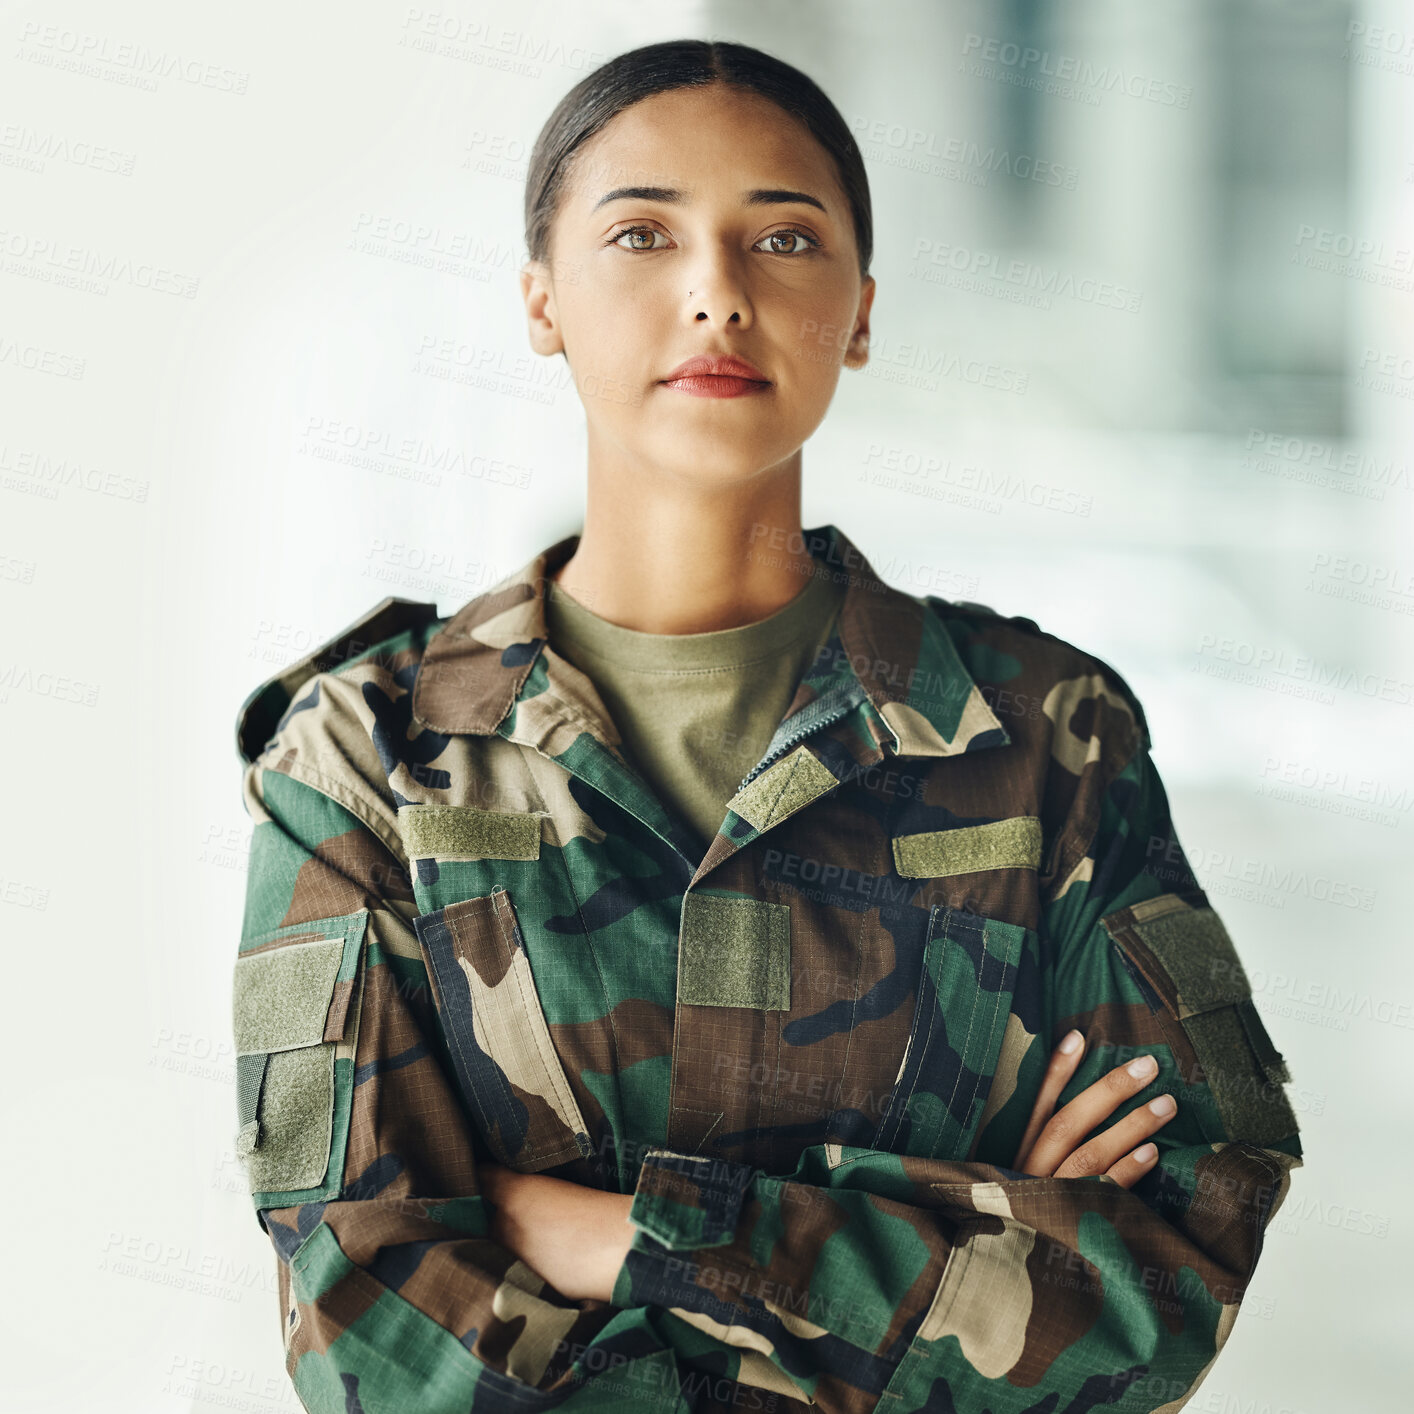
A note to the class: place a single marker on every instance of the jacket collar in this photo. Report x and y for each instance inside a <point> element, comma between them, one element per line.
<point>476,669</point>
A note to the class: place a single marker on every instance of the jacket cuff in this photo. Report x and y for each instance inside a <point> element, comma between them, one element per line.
<point>686,1202</point>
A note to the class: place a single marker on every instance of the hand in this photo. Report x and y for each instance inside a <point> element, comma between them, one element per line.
<point>1052,1146</point>
<point>576,1238</point>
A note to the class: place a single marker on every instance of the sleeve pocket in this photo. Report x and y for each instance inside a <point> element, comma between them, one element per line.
<point>295,1009</point>
<point>1180,955</point>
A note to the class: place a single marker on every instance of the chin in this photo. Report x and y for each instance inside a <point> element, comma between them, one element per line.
<point>708,466</point>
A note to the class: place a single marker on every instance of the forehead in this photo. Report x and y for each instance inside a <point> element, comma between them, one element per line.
<point>713,143</point>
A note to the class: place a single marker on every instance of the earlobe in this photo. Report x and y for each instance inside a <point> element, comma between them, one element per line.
<point>545,337</point>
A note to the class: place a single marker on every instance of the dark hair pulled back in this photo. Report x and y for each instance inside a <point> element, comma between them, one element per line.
<point>686,63</point>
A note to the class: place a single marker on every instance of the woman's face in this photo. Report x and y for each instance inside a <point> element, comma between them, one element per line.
<point>708,271</point>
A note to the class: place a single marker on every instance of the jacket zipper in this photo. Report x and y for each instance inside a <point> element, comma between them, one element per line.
<point>818,714</point>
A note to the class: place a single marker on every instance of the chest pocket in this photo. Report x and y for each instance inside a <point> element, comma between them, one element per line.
<point>511,1078</point>
<point>963,998</point>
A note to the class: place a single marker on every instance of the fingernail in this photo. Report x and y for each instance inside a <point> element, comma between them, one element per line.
<point>1145,1065</point>
<point>1145,1152</point>
<point>1163,1105</point>
<point>1072,1040</point>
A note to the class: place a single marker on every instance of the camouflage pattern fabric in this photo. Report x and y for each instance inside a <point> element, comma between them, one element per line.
<point>472,931</point>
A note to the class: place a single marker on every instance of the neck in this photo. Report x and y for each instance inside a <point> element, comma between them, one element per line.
<point>676,559</point>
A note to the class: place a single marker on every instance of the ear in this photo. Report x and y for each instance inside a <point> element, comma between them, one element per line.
<point>856,353</point>
<point>538,291</point>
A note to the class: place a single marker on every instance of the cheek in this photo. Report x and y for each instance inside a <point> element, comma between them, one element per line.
<point>626,320</point>
<point>611,349</point>
<point>822,335</point>
<point>809,359</point>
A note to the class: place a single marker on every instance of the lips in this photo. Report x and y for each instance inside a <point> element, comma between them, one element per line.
<point>719,366</point>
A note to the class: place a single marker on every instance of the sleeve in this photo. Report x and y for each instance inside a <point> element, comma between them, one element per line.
<point>358,1156</point>
<point>899,1283</point>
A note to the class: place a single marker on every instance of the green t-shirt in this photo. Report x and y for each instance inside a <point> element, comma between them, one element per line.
<point>696,711</point>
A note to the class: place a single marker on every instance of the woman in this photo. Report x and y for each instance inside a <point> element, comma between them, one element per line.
<point>913,1072</point>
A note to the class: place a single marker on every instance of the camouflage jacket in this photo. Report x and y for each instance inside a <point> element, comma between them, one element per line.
<point>472,931</point>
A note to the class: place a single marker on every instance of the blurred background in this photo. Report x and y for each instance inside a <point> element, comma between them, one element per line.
<point>1142,369</point>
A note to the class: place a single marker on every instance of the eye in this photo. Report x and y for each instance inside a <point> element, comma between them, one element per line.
<point>811,242</point>
<point>634,230</point>
<point>789,234</point>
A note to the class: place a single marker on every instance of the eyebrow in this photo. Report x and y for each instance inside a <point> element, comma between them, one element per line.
<point>757,196</point>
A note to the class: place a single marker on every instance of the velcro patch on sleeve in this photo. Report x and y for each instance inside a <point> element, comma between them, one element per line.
<point>1183,951</point>
<point>1002,844</point>
<point>734,952</point>
<point>296,1121</point>
<point>466,832</point>
<point>1251,1100</point>
<point>282,996</point>
<point>1194,948</point>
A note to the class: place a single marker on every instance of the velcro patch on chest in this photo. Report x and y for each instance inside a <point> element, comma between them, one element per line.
<point>1003,844</point>
<point>734,952</point>
<point>466,832</point>
<point>780,790</point>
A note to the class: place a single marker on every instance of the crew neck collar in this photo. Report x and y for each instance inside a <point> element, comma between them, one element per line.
<point>489,657</point>
<point>715,650</point>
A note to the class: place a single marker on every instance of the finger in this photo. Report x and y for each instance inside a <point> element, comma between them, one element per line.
<point>1101,1153</point>
<point>1133,1166</point>
<point>1066,1130</point>
<point>1058,1072</point>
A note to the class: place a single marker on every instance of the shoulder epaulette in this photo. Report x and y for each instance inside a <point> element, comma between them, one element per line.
<point>260,713</point>
<point>1020,621</point>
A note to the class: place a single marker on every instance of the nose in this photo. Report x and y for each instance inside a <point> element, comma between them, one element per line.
<point>722,300</point>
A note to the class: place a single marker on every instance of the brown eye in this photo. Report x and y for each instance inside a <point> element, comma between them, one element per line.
<point>635,231</point>
<point>787,236</point>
